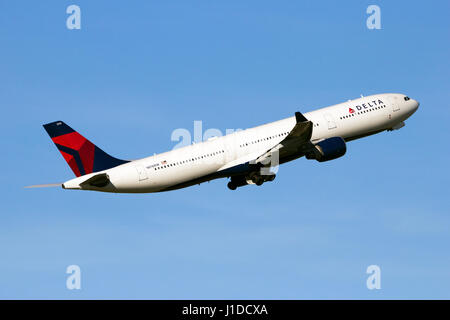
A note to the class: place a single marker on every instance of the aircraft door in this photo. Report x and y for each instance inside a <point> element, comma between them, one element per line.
<point>330,121</point>
<point>395,103</point>
<point>142,173</point>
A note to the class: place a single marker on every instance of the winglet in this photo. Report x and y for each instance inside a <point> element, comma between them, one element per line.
<point>300,117</point>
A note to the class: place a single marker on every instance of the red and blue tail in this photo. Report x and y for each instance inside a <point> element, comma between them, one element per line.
<point>82,155</point>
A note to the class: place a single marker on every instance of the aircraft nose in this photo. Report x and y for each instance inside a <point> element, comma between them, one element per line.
<point>415,105</point>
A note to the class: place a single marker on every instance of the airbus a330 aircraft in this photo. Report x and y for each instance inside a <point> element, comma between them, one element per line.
<point>245,157</point>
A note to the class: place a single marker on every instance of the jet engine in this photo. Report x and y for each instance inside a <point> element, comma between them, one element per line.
<point>328,149</point>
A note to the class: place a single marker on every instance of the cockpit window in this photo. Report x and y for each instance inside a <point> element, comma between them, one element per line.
<point>406,98</point>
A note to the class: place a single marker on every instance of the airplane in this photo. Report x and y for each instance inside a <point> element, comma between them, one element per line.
<point>246,157</point>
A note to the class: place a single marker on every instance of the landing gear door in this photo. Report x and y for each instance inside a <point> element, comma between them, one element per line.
<point>395,103</point>
<point>142,173</point>
<point>330,121</point>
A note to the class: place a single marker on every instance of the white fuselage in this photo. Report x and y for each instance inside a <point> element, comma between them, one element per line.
<point>203,161</point>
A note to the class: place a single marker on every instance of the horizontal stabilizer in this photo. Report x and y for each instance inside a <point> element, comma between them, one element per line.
<point>99,180</point>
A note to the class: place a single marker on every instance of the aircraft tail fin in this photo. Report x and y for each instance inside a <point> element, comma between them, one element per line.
<point>81,155</point>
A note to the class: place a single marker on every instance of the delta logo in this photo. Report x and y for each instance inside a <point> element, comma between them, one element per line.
<point>366,105</point>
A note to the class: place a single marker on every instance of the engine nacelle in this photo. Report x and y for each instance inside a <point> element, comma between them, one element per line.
<point>330,149</point>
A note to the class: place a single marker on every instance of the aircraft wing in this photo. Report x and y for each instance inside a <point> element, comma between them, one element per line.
<point>296,142</point>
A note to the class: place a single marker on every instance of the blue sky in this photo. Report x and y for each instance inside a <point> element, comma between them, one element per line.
<point>138,70</point>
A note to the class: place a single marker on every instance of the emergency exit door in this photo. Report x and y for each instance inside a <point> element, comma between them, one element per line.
<point>142,173</point>
<point>330,121</point>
